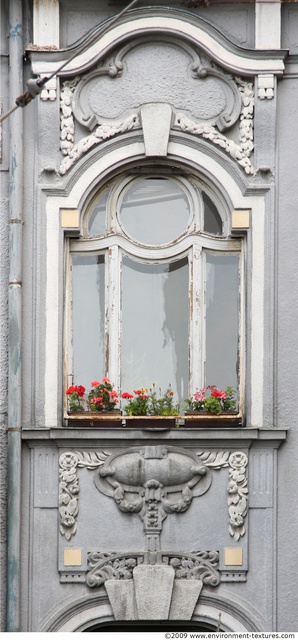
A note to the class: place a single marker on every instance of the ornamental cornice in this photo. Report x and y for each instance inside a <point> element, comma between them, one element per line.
<point>160,21</point>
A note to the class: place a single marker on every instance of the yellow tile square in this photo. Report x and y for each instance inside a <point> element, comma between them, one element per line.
<point>233,557</point>
<point>240,218</point>
<point>70,218</point>
<point>72,557</point>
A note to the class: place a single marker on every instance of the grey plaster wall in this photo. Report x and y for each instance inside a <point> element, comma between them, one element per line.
<point>286,348</point>
<point>3,384</point>
<point>236,22</point>
<point>4,270</point>
<point>289,24</point>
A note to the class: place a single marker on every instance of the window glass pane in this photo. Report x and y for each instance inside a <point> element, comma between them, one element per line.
<point>88,319</point>
<point>155,310</point>
<point>97,220</point>
<point>212,219</point>
<point>222,319</point>
<point>155,210</point>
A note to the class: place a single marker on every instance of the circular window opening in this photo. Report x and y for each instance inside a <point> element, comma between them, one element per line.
<point>155,211</point>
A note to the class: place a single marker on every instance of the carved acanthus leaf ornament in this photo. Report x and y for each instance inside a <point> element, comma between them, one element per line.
<point>196,565</point>
<point>237,485</point>
<point>102,132</point>
<point>69,486</point>
<point>104,566</point>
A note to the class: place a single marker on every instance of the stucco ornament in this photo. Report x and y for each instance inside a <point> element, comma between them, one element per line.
<point>196,565</point>
<point>67,125</point>
<point>238,491</point>
<point>154,482</point>
<point>104,566</point>
<point>237,485</point>
<point>239,151</point>
<point>69,486</point>
<point>101,133</point>
<point>108,100</point>
<point>144,72</point>
<point>68,490</point>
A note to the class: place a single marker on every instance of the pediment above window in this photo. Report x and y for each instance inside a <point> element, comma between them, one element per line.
<point>158,71</point>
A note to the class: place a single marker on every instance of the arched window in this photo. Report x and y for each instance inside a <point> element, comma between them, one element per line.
<point>155,283</point>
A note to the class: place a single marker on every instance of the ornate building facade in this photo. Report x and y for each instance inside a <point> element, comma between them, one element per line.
<point>148,236</point>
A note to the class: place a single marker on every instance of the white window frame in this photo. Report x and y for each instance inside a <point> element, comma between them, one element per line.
<point>192,243</point>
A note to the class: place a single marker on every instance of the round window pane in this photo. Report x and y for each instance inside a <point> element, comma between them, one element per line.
<point>155,211</point>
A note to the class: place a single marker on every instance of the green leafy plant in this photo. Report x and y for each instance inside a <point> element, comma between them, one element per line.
<point>149,402</point>
<point>213,400</point>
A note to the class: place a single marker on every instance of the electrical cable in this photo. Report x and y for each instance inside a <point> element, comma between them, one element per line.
<point>35,85</point>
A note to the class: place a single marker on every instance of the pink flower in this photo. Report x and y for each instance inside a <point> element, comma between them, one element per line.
<point>95,383</point>
<point>113,394</point>
<point>200,395</point>
<point>96,400</point>
<point>105,380</point>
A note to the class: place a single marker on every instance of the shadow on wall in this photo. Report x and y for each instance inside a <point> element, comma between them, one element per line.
<point>152,625</point>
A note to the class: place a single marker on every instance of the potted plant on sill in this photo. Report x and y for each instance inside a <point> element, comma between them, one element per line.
<point>218,406</point>
<point>147,408</point>
<point>101,401</point>
<point>150,408</point>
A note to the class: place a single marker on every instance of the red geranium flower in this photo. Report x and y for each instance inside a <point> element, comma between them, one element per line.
<point>218,393</point>
<point>70,390</point>
<point>80,390</point>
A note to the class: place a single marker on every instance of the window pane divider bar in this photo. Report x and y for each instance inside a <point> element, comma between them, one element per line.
<point>113,288</point>
<point>156,252</point>
<point>195,319</point>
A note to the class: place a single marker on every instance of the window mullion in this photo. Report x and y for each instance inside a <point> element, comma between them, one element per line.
<point>112,325</point>
<point>196,314</point>
<point>68,322</point>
